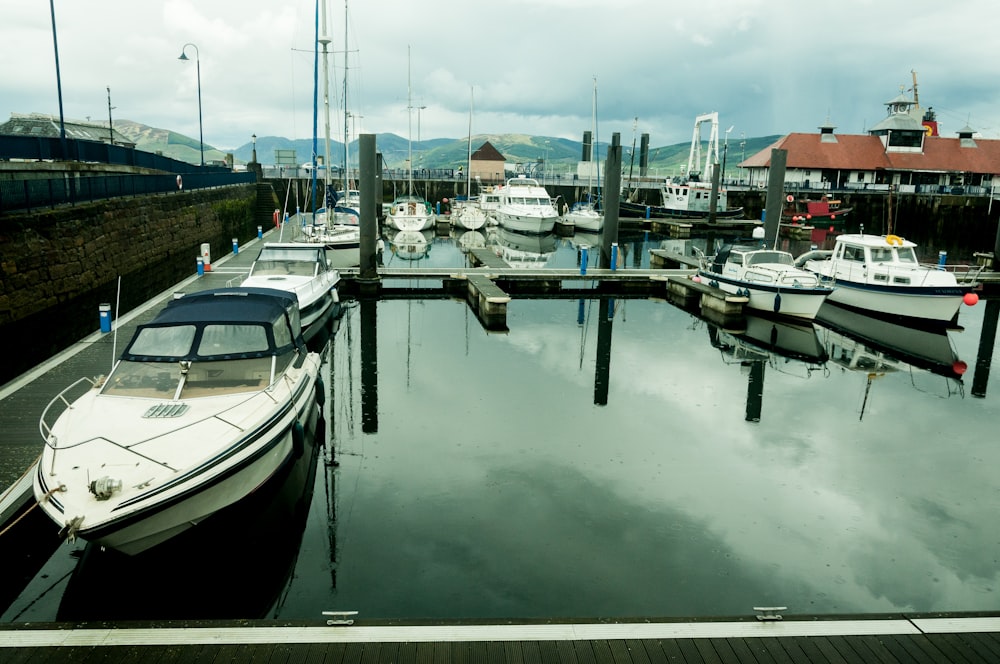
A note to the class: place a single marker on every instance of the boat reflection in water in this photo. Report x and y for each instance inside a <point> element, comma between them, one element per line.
<point>410,245</point>
<point>877,346</point>
<point>755,343</point>
<point>236,566</point>
<point>521,250</point>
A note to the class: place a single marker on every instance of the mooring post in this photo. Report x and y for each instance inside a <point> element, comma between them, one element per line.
<point>371,191</point>
<point>612,183</point>
<point>775,190</point>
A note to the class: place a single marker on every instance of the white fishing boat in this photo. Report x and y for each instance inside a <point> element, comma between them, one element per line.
<point>767,277</point>
<point>881,273</point>
<point>526,207</point>
<point>207,403</point>
<point>690,196</point>
<point>303,269</point>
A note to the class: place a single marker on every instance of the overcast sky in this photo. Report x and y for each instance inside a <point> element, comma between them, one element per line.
<point>766,66</point>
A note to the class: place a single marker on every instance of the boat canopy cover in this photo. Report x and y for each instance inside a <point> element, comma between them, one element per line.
<point>222,323</point>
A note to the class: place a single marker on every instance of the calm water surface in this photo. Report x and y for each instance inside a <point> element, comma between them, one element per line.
<point>645,463</point>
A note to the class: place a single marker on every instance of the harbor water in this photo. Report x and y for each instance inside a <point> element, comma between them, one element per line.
<point>602,458</point>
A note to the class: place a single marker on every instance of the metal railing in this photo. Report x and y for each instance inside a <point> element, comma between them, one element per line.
<point>28,195</point>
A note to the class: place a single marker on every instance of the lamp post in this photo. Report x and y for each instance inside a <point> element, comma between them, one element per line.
<point>111,130</point>
<point>253,140</point>
<point>197,61</point>
<point>420,156</point>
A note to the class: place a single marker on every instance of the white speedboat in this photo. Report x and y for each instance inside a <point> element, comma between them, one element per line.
<point>303,269</point>
<point>768,278</point>
<point>881,273</point>
<point>207,403</point>
<point>526,207</point>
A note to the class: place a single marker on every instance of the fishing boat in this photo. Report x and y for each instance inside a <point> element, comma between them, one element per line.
<point>206,404</point>
<point>526,207</point>
<point>768,278</point>
<point>303,269</point>
<point>881,273</point>
<point>690,197</point>
<point>813,220</point>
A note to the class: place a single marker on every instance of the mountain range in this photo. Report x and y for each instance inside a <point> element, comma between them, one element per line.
<point>560,154</point>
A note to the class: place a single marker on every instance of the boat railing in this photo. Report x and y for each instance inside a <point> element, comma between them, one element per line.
<point>44,428</point>
<point>964,274</point>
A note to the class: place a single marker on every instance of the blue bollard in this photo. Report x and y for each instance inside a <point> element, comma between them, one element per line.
<point>647,212</point>
<point>260,232</point>
<point>614,256</point>
<point>201,266</point>
<point>236,246</point>
<point>105,314</point>
<point>437,208</point>
<point>942,258</point>
<point>583,260</point>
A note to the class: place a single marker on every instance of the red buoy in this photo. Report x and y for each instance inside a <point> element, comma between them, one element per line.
<point>970,299</point>
<point>959,367</point>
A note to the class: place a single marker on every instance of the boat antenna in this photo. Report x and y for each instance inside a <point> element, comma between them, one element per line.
<point>114,339</point>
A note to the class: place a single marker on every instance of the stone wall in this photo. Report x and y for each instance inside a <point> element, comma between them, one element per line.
<point>57,266</point>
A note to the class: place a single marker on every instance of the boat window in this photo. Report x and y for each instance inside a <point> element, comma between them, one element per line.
<point>880,277</point>
<point>854,253</point>
<point>282,333</point>
<point>779,257</point>
<point>298,268</point>
<point>906,255</point>
<point>233,339</point>
<point>154,380</point>
<point>901,280</point>
<point>881,255</point>
<point>226,377</point>
<point>172,341</point>
<point>736,259</point>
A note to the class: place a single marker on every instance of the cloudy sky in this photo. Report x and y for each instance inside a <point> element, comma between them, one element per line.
<point>766,66</point>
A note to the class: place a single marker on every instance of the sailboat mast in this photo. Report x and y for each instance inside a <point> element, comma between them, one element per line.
<point>468,165</point>
<point>346,116</point>
<point>325,41</point>
<point>409,124</point>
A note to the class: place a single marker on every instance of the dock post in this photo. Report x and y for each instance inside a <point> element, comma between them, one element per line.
<point>236,246</point>
<point>613,170</point>
<point>371,195</point>
<point>105,315</point>
<point>775,188</point>
<point>584,258</point>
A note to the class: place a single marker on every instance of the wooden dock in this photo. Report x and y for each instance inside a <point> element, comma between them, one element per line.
<point>888,640</point>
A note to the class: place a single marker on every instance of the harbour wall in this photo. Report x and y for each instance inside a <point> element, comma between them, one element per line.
<point>57,266</point>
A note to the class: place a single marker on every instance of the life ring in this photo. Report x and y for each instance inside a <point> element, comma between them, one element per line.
<point>894,239</point>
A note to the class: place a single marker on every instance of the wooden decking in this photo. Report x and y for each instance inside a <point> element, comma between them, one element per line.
<point>971,640</point>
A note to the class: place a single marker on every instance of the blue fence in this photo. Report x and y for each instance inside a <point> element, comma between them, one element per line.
<point>28,195</point>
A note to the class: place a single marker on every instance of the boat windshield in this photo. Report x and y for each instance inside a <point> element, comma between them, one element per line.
<point>780,257</point>
<point>906,255</point>
<point>159,380</point>
<point>292,267</point>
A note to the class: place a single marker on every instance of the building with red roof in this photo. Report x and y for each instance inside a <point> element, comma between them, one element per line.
<point>903,150</point>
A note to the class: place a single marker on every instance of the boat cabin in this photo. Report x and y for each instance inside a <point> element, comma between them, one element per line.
<point>290,258</point>
<point>215,342</point>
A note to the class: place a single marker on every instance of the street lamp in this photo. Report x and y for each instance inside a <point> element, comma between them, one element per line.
<point>253,139</point>
<point>725,151</point>
<point>197,61</point>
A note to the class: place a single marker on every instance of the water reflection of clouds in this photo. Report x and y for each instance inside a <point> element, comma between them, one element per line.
<point>825,512</point>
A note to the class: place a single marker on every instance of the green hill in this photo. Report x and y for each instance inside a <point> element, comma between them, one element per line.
<point>560,155</point>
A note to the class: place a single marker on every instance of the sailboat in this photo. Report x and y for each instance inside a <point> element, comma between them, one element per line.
<point>470,216</point>
<point>336,227</point>
<point>410,212</point>
<point>349,197</point>
<point>584,215</point>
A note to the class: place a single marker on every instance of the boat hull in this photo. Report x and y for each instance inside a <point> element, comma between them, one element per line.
<point>150,513</point>
<point>803,303</point>
<point>628,209</point>
<point>932,303</point>
<point>526,222</point>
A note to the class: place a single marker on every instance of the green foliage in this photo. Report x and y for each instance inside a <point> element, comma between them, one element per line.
<point>235,215</point>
